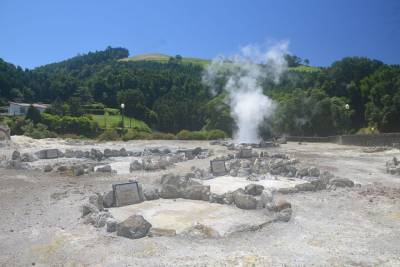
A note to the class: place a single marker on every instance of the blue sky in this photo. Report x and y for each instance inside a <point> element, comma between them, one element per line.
<point>38,32</point>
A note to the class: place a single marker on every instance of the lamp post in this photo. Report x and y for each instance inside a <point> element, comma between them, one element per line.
<point>122,112</point>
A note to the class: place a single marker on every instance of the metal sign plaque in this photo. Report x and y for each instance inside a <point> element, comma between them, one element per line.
<point>126,194</point>
<point>218,167</point>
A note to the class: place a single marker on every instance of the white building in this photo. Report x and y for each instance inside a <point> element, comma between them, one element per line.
<point>16,109</point>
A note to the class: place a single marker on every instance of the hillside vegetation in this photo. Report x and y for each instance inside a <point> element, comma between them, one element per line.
<point>168,95</point>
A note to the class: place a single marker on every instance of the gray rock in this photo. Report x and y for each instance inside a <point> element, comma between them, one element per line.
<point>305,187</point>
<point>284,215</point>
<point>135,166</point>
<point>266,198</point>
<point>108,199</point>
<point>96,200</point>
<point>123,152</point>
<point>228,198</point>
<point>176,180</point>
<point>105,168</point>
<point>62,168</point>
<point>197,192</point>
<point>169,191</point>
<point>28,157</point>
<point>302,172</point>
<point>341,182</point>
<point>313,172</point>
<point>111,224</point>
<point>16,155</point>
<point>47,168</point>
<point>96,154</point>
<point>134,227</point>
<point>254,189</point>
<point>243,201</point>
<point>151,193</point>
<point>215,198</point>
<point>88,208</point>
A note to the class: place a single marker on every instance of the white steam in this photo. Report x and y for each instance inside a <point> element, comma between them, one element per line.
<point>244,73</point>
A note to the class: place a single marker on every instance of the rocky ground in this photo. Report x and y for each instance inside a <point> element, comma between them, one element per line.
<point>41,221</point>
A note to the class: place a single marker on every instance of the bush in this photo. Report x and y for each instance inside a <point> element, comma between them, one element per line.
<point>183,135</point>
<point>38,131</point>
<point>162,136</point>
<point>216,134</point>
<point>71,125</point>
<point>135,135</point>
<point>188,135</point>
<point>109,135</point>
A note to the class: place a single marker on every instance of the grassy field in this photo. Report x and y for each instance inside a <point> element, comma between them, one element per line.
<point>112,121</point>
<point>165,58</point>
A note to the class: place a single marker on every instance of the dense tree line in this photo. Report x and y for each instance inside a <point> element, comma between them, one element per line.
<point>350,94</point>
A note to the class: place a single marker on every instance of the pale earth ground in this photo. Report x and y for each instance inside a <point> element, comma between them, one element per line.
<point>40,219</point>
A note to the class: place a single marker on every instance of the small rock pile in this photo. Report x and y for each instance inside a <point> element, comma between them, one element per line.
<point>166,159</point>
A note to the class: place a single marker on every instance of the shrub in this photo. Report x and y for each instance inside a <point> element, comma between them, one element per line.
<point>188,135</point>
<point>109,135</point>
<point>135,135</point>
<point>183,135</point>
<point>38,131</point>
<point>163,136</point>
<point>216,134</point>
<point>84,125</point>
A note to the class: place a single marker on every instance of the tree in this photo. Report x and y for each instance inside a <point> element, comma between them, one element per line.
<point>134,103</point>
<point>33,115</point>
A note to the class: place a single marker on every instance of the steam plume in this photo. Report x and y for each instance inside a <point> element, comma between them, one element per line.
<point>244,73</point>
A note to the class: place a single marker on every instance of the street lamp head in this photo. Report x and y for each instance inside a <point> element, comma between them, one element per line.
<point>122,105</point>
<point>347,106</point>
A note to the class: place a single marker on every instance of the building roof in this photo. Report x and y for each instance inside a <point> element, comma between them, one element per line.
<point>36,105</point>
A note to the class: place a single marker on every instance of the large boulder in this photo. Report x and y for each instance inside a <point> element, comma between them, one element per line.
<point>108,199</point>
<point>197,192</point>
<point>28,157</point>
<point>284,215</point>
<point>169,191</point>
<point>134,227</point>
<point>246,202</point>
<point>135,166</point>
<point>305,187</point>
<point>151,193</point>
<point>16,155</point>
<point>341,182</point>
<point>105,168</point>
<point>254,189</point>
